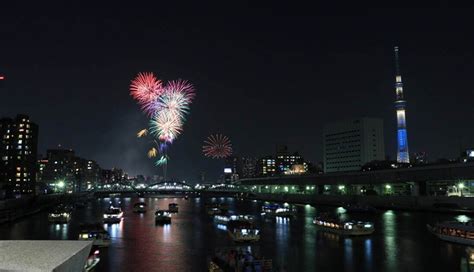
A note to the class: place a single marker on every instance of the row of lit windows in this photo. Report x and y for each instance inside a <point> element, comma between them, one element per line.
<point>340,133</point>
<point>344,142</point>
<point>329,159</point>
<point>342,162</point>
<point>345,149</point>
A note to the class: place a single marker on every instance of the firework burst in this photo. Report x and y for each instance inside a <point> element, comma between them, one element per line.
<point>145,89</point>
<point>166,126</point>
<point>176,98</point>
<point>167,105</point>
<point>217,146</point>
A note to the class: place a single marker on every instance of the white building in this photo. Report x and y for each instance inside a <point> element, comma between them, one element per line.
<point>350,144</point>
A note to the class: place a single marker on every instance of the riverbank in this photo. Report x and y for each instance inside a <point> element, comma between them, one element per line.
<point>14,209</point>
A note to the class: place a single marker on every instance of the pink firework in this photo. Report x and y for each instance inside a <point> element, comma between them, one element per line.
<point>217,146</point>
<point>146,88</point>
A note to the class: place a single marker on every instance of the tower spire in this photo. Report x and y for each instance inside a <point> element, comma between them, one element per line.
<point>400,106</point>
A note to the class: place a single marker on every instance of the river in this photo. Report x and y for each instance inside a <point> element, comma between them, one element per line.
<point>400,242</point>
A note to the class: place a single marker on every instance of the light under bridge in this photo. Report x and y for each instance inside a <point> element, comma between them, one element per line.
<point>159,187</point>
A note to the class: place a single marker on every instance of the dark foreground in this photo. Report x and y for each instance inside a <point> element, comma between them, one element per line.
<point>400,242</point>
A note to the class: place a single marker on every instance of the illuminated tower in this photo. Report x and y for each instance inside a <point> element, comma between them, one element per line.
<point>400,105</point>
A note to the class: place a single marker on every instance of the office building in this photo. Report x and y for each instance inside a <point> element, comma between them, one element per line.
<point>267,166</point>
<point>18,151</point>
<point>350,144</point>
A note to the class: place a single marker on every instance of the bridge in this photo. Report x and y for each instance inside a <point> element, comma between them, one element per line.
<point>165,187</point>
<point>422,180</point>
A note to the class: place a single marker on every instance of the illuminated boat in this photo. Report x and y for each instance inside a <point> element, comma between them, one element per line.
<point>92,260</point>
<point>227,259</point>
<point>162,217</point>
<point>95,233</point>
<point>173,207</point>
<point>454,231</point>
<point>139,207</point>
<point>275,210</point>
<point>225,219</point>
<point>60,216</point>
<point>113,215</point>
<point>354,228</point>
<point>243,231</point>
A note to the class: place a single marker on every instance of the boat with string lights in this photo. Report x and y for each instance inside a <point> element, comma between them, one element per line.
<point>350,228</point>
<point>454,231</point>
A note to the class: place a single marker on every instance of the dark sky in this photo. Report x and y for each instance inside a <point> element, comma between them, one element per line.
<point>262,78</point>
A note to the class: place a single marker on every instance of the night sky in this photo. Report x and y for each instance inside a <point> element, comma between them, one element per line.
<point>261,78</point>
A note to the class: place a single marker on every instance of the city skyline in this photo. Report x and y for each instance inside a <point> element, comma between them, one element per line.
<point>79,97</point>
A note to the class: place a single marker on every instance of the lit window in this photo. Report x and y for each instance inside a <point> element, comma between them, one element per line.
<point>20,141</point>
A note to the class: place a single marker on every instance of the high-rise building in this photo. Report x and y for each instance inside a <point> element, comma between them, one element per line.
<point>18,151</point>
<point>232,169</point>
<point>400,106</point>
<point>349,145</point>
<point>266,166</point>
<point>62,165</point>
<point>249,167</point>
<point>286,163</point>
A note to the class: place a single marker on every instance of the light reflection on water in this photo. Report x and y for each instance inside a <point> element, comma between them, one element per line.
<point>389,234</point>
<point>400,242</point>
<point>348,254</point>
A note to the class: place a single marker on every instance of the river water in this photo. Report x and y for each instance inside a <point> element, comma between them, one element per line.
<point>400,242</point>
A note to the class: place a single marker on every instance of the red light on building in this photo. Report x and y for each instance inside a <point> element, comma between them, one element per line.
<point>2,77</point>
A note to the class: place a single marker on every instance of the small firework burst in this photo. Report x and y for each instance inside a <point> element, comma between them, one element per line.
<point>217,146</point>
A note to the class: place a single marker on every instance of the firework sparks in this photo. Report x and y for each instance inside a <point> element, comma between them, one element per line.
<point>167,105</point>
<point>217,146</point>
<point>152,152</point>
<point>176,98</point>
<point>145,88</point>
<point>162,161</point>
<point>142,133</point>
<point>166,126</point>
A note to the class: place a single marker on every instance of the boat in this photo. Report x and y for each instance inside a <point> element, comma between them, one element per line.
<point>173,207</point>
<point>95,233</point>
<point>359,208</point>
<point>139,207</point>
<point>454,231</point>
<point>92,260</point>
<point>113,215</point>
<point>351,228</point>
<point>213,209</point>
<point>59,216</point>
<point>162,217</point>
<point>467,262</point>
<point>240,259</point>
<point>225,219</point>
<point>243,231</point>
<point>275,210</point>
